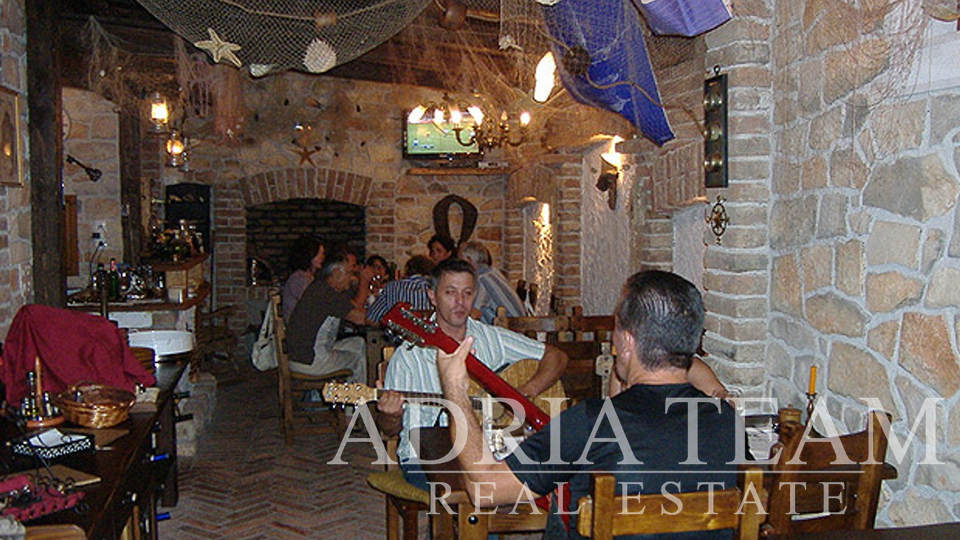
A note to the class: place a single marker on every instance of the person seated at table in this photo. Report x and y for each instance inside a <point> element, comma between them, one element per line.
<point>412,289</point>
<point>305,259</point>
<point>440,248</point>
<point>639,435</point>
<point>451,293</point>
<point>493,290</point>
<point>317,319</point>
<point>381,274</point>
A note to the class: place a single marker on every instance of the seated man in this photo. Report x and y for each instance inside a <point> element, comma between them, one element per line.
<point>641,434</point>
<point>492,287</point>
<point>316,320</point>
<point>414,370</point>
<point>412,289</point>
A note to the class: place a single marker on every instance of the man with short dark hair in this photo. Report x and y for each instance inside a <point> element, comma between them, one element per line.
<point>658,433</point>
<point>453,287</point>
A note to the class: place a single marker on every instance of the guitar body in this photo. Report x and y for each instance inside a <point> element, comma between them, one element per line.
<point>515,375</point>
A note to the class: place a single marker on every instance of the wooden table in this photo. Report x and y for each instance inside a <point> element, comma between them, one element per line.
<point>939,531</point>
<point>472,523</point>
<point>131,475</point>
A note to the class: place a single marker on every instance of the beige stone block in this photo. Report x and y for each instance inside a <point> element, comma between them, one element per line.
<point>889,291</point>
<point>944,117</point>
<point>826,128</point>
<point>854,372</point>
<point>854,66</point>
<point>883,338</point>
<point>953,426</point>
<point>847,169</point>
<point>941,477</point>
<point>899,126</point>
<point>860,221</point>
<point>893,243</point>
<point>917,187</point>
<point>779,360</point>
<point>944,289</point>
<point>917,508</point>
<point>925,351</point>
<point>740,284</point>
<point>914,399</point>
<point>786,177</point>
<point>792,142</point>
<point>817,263</point>
<point>809,92</point>
<point>833,314</point>
<point>832,218</point>
<point>792,222</point>
<point>735,261</point>
<point>793,332</point>
<point>849,268</point>
<point>787,48</point>
<point>814,173</point>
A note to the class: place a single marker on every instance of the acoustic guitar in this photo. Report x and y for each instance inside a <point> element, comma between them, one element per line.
<point>514,374</point>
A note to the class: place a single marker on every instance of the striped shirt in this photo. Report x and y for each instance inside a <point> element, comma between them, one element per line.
<point>493,291</point>
<point>415,370</point>
<point>412,289</point>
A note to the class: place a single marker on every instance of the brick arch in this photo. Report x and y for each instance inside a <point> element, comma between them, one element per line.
<point>303,183</point>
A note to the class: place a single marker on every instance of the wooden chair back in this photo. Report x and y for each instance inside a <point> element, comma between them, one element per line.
<point>546,329</point>
<point>588,336</point>
<point>591,327</point>
<point>603,515</point>
<point>297,414</point>
<point>852,485</point>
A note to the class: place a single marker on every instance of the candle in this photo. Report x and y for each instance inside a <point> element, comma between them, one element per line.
<point>38,373</point>
<point>812,388</point>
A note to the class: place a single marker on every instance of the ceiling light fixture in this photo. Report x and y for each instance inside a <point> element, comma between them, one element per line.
<point>159,112</point>
<point>486,135</point>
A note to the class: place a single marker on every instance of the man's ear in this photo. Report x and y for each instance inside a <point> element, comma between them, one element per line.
<point>432,295</point>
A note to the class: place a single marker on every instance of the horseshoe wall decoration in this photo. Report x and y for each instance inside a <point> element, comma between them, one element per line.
<point>441,217</point>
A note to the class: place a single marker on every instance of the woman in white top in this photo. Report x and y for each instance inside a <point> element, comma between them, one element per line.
<point>306,258</point>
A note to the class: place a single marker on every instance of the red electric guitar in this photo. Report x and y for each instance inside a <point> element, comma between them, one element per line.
<point>404,322</point>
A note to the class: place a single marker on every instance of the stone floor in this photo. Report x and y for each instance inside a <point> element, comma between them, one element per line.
<point>244,483</point>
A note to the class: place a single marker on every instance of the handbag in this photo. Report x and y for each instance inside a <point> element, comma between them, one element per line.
<point>264,352</point>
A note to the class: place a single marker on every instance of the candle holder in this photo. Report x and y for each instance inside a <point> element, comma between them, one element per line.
<point>811,400</point>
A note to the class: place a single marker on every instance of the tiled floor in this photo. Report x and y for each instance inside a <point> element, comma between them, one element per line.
<point>244,483</point>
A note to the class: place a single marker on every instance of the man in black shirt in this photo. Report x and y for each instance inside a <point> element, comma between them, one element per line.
<point>656,434</point>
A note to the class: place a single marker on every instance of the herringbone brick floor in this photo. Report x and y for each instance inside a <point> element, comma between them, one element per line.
<point>245,484</point>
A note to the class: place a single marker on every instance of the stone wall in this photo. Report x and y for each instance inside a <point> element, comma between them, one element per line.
<point>16,251</point>
<point>842,250</point>
<point>92,138</point>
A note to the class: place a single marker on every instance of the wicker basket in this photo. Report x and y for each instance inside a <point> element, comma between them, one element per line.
<point>98,406</point>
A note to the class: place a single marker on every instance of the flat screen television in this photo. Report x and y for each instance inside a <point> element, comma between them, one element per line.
<point>429,140</point>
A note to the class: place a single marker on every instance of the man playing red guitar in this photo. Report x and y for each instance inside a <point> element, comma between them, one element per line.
<point>452,291</point>
<point>658,433</point>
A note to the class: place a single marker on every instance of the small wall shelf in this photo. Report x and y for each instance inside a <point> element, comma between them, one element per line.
<point>458,171</point>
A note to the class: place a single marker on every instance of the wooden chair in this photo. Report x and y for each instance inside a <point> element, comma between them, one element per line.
<point>603,515</point>
<point>404,502</point>
<point>588,334</point>
<point>854,490</point>
<point>546,329</point>
<point>297,414</point>
<point>215,341</point>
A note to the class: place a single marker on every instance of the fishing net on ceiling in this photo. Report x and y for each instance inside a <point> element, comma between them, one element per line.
<point>264,36</point>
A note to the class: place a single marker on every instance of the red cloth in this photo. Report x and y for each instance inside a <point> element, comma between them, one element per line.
<point>73,347</point>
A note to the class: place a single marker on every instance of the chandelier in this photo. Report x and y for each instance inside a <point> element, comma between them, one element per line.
<point>470,128</point>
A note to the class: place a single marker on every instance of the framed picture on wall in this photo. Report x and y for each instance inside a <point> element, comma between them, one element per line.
<point>11,165</point>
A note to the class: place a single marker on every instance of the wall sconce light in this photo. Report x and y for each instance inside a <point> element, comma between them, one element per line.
<point>545,77</point>
<point>609,175</point>
<point>159,112</point>
<point>715,134</point>
<point>176,150</point>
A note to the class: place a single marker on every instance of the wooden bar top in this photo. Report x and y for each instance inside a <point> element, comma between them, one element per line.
<point>938,531</point>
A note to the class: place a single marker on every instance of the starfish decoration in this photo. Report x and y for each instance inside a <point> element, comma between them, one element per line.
<point>220,49</point>
<point>306,154</point>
